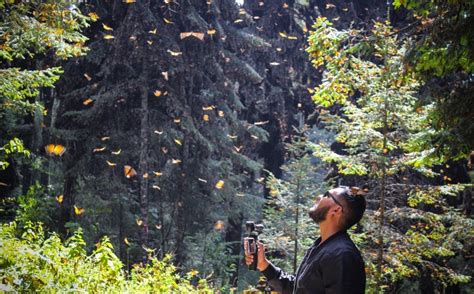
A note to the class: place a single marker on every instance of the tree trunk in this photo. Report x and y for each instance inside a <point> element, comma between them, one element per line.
<point>143,165</point>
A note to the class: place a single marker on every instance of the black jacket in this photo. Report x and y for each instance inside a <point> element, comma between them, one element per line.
<point>335,266</point>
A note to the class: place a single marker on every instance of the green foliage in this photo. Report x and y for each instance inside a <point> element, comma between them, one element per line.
<point>288,228</point>
<point>35,206</point>
<point>34,262</point>
<point>442,54</point>
<point>14,146</point>
<point>370,100</point>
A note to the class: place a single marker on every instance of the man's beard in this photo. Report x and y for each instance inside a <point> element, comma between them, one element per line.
<point>318,214</point>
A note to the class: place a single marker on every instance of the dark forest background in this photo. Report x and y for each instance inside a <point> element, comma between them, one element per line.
<point>185,119</point>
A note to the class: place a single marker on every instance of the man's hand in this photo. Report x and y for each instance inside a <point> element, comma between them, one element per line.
<point>262,262</point>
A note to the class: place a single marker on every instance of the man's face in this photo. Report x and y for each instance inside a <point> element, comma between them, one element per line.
<point>320,209</point>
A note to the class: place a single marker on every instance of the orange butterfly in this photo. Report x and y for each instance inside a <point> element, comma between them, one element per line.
<point>129,171</point>
<point>198,35</point>
<point>78,210</point>
<point>220,184</point>
<point>55,149</point>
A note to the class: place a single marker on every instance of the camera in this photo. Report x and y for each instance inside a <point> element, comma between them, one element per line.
<point>252,232</point>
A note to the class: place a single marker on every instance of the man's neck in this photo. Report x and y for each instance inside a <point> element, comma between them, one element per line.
<point>326,230</point>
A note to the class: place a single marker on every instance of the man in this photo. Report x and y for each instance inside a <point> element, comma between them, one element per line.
<point>333,264</point>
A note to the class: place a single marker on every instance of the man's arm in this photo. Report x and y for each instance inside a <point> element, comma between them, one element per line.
<point>343,273</point>
<point>279,280</point>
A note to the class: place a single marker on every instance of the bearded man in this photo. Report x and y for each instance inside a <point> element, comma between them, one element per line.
<point>333,264</point>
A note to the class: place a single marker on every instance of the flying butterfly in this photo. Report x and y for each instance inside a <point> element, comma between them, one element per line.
<point>106,27</point>
<point>129,171</point>
<point>125,240</point>
<point>260,123</point>
<point>129,1</point>
<point>177,120</point>
<point>178,142</point>
<point>232,136</point>
<point>109,163</point>
<point>167,21</point>
<point>87,101</point>
<point>207,108</point>
<point>157,173</point>
<point>174,53</point>
<point>60,198</point>
<point>220,184</point>
<point>117,152</point>
<point>78,210</point>
<point>153,31</point>
<point>158,132</point>
<point>139,222</point>
<point>88,77</point>
<point>157,93</point>
<point>105,138</point>
<point>211,32</point>
<point>238,149</point>
<point>220,113</point>
<point>202,180</point>
<point>197,35</point>
<point>145,175</point>
<point>108,37</point>
<point>98,149</point>
<point>175,161</point>
<point>219,225</point>
<point>165,75</point>
<point>156,187</point>
<point>205,117</point>
<point>55,149</point>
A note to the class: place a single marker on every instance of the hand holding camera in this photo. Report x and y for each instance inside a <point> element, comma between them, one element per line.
<point>254,248</point>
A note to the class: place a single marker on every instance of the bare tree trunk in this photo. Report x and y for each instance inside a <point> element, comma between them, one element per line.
<point>295,258</point>
<point>382,196</point>
<point>143,165</point>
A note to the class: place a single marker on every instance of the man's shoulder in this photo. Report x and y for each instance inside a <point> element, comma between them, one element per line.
<point>343,246</point>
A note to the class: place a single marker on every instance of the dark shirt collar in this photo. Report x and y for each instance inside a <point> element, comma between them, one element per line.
<point>333,236</point>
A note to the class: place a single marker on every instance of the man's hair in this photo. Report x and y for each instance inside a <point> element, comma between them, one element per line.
<point>355,203</point>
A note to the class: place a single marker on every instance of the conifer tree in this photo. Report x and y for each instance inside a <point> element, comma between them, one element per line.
<point>288,229</point>
<point>370,101</point>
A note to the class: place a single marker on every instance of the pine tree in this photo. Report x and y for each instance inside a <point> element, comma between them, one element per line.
<point>288,229</point>
<point>387,133</point>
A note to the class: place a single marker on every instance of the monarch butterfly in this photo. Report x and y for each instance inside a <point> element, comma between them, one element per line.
<point>129,171</point>
<point>55,149</point>
<point>79,210</point>
<point>198,35</point>
<point>219,225</point>
<point>60,198</point>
